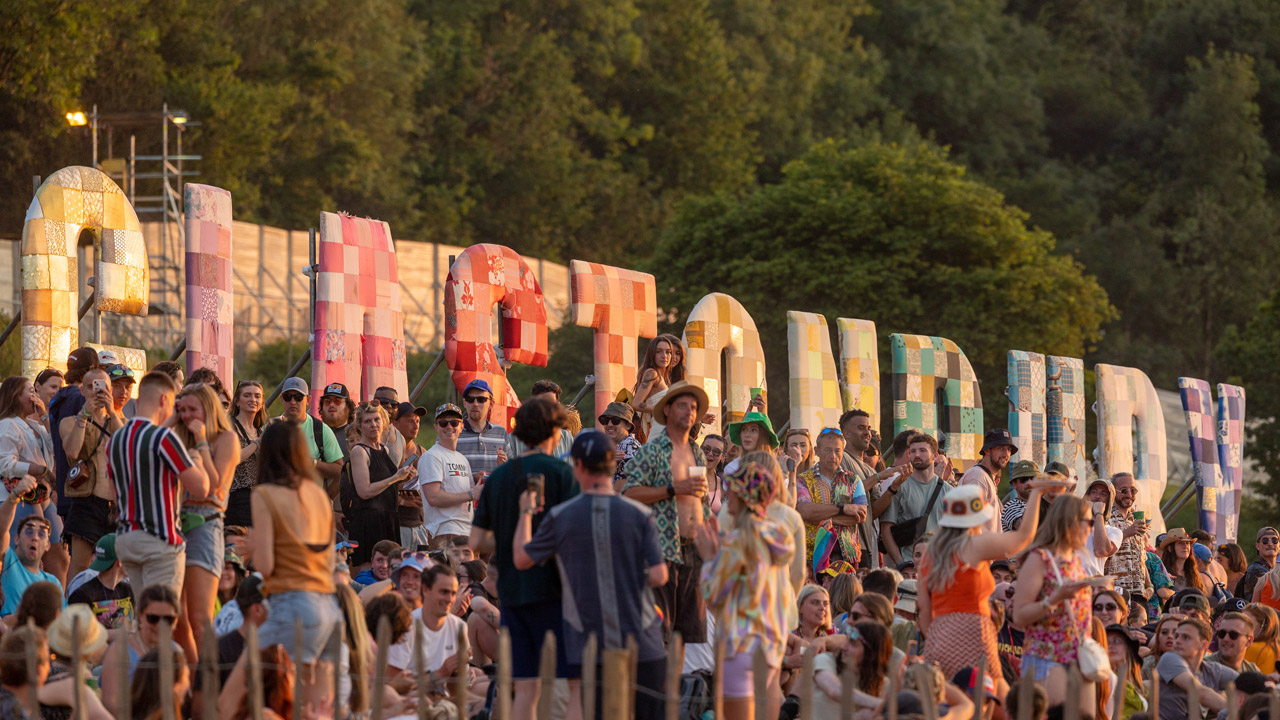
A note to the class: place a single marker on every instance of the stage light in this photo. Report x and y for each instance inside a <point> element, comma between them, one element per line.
<point>77,119</point>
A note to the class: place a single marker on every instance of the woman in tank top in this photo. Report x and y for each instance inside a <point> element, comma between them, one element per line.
<point>376,480</point>
<point>293,549</point>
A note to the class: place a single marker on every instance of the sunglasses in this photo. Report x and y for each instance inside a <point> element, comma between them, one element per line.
<point>1233,634</point>
<point>32,531</point>
<point>155,619</point>
<point>830,431</point>
<point>476,399</point>
<point>1106,607</point>
<point>712,452</point>
<point>610,420</point>
<point>859,617</point>
<point>292,397</point>
<point>1269,540</point>
<point>448,423</point>
<point>384,402</point>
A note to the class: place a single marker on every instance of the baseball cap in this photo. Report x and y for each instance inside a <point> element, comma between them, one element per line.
<point>104,554</point>
<point>906,596</point>
<point>1203,554</point>
<point>478,384</point>
<point>1023,469</point>
<point>250,592</point>
<point>117,371</point>
<point>967,680</point>
<point>412,563</point>
<point>344,542</point>
<point>296,384</point>
<point>85,358</point>
<point>1195,601</point>
<point>1234,604</point>
<point>231,557</point>
<point>1059,468</point>
<point>1264,531</point>
<point>107,357</point>
<point>591,446</point>
<point>907,563</point>
<point>441,410</point>
<point>335,390</point>
<point>1001,564</point>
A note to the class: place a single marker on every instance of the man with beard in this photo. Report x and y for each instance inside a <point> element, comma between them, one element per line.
<point>1128,565</point>
<point>916,496</point>
<point>1266,543</point>
<point>1104,540</point>
<point>997,448</point>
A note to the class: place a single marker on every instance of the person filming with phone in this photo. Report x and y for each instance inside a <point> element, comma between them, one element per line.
<point>530,598</point>
<point>92,494</point>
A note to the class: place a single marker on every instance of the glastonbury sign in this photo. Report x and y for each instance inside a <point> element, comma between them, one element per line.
<point>359,340</point>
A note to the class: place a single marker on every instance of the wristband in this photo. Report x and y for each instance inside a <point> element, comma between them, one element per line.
<point>671,491</point>
<point>204,444</point>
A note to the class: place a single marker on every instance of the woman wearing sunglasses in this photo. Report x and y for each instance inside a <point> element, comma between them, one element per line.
<point>1110,607</point>
<point>375,477</point>
<point>157,604</point>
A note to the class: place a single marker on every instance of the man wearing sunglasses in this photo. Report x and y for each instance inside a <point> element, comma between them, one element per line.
<point>22,566</point>
<point>481,442</point>
<point>1234,636</point>
<point>617,422</point>
<point>321,442</point>
<point>1266,544</point>
<point>446,482</point>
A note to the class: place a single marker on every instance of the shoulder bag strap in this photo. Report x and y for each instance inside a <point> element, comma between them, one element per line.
<point>244,434</point>
<point>1053,565</point>
<point>933,499</point>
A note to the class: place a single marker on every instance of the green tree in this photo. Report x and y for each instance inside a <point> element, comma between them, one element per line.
<point>895,234</point>
<point>1248,352</point>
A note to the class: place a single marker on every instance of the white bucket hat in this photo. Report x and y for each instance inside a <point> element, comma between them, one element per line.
<point>963,507</point>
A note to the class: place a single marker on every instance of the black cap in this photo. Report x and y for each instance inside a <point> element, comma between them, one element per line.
<point>249,593</point>
<point>441,410</point>
<point>336,390</point>
<point>83,359</point>
<point>591,446</point>
<point>995,438</point>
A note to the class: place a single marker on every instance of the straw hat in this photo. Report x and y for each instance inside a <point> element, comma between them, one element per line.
<point>684,387</point>
<point>1175,535</point>
<point>93,637</point>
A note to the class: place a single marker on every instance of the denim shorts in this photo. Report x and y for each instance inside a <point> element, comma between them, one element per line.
<point>1039,667</point>
<point>205,547</point>
<point>319,614</point>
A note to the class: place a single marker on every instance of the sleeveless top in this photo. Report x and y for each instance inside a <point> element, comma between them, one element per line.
<point>247,471</point>
<point>300,566</point>
<point>381,467</point>
<point>1057,635</point>
<point>56,712</point>
<point>968,593</point>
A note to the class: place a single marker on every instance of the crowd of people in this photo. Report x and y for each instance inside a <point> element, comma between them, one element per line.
<point>153,526</point>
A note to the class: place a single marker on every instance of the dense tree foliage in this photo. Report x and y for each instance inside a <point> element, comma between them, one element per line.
<point>1136,135</point>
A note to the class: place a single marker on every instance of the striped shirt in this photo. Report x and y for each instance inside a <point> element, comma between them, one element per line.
<point>145,460</point>
<point>481,448</point>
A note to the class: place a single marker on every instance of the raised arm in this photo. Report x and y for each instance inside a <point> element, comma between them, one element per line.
<point>998,546</point>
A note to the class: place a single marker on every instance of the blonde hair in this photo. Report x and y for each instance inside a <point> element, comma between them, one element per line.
<point>1055,526</point>
<point>843,591</point>
<point>366,408</point>
<point>216,420</point>
<point>809,590</point>
<point>944,556</point>
<point>1273,579</point>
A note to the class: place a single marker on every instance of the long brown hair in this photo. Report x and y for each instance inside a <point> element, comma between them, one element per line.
<point>260,417</point>
<point>277,683</point>
<point>1190,575</point>
<point>1057,524</point>
<point>144,693</point>
<point>356,636</point>
<point>1267,621</point>
<point>283,456</point>
<point>11,392</point>
<point>877,651</point>
<point>1101,690</point>
<point>650,357</point>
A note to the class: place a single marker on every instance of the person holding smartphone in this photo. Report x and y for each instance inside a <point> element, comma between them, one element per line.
<point>376,480</point>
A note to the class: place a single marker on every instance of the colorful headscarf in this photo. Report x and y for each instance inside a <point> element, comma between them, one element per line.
<point>754,485</point>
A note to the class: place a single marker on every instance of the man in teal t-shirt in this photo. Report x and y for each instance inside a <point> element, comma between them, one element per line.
<point>295,396</point>
<point>22,561</point>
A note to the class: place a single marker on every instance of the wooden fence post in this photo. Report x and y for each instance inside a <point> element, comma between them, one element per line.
<point>77,668</point>
<point>255,671</point>
<point>1233,709</point>
<point>617,684</point>
<point>590,677</point>
<point>1071,707</point>
<point>760,678</point>
<point>297,662</point>
<point>633,657</point>
<point>1154,709</point>
<point>339,639</point>
<point>848,683</point>
<point>717,689</point>
<point>383,638</point>
<point>419,663</point>
<point>675,651</point>
<point>1122,678</point>
<point>1193,701</point>
<point>1026,695</point>
<point>1273,707</point>
<point>547,675</point>
<point>891,707</point>
<point>123,699</point>
<point>210,683</point>
<point>979,693</point>
<point>165,646</point>
<point>504,674</point>
<point>806,683</point>
<point>460,678</point>
<point>32,665</point>
<point>927,697</point>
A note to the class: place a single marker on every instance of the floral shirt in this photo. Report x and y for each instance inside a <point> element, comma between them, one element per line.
<point>1128,565</point>
<point>1159,581</point>
<point>1056,635</point>
<point>812,487</point>
<point>627,449</point>
<point>748,599</point>
<point>651,467</point>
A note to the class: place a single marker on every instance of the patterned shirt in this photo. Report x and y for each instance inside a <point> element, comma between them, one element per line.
<point>651,467</point>
<point>1159,580</point>
<point>1012,512</point>
<point>145,461</point>
<point>481,448</point>
<point>812,487</point>
<point>751,599</point>
<point>1128,565</point>
<point>627,449</point>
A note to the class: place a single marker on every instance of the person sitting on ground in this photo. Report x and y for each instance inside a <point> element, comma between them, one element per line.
<point>843,590</point>
<point>1234,635</point>
<point>108,592</point>
<point>868,650</point>
<point>1185,668</point>
<point>379,562</point>
<point>231,644</point>
<point>233,574</point>
<point>16,698</point>
<point>41,604</point>
<point>952,702</point>
<point>277,680</point>
<point>146,699</point>
<point>407,578</point>
<point>1266,640</point>
<point>74,628</point>
<point>1123,651</point>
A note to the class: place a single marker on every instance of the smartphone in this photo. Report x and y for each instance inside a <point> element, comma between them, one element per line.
<point>536,483</point>
<point>411,460</point>
<point>100,385</point>
<point>421,548</point>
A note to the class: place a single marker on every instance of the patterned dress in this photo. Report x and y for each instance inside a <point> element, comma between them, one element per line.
<point>1055,636</point>
<point>749,603</point>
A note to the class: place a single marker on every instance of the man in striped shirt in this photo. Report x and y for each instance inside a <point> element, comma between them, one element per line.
<point>149,465</point>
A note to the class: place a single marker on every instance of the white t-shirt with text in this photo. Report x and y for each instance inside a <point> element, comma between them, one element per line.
<point>451,469</point>
<point>437,645</point>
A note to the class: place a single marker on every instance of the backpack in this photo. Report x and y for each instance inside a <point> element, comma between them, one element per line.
<point>695,695</point>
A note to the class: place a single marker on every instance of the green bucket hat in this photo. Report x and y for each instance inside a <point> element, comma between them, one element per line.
<point>735,429</point>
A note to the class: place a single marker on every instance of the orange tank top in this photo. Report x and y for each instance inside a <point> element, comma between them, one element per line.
<point>968,593</point>
<point>1267,597</point>
<point>299,566</point>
